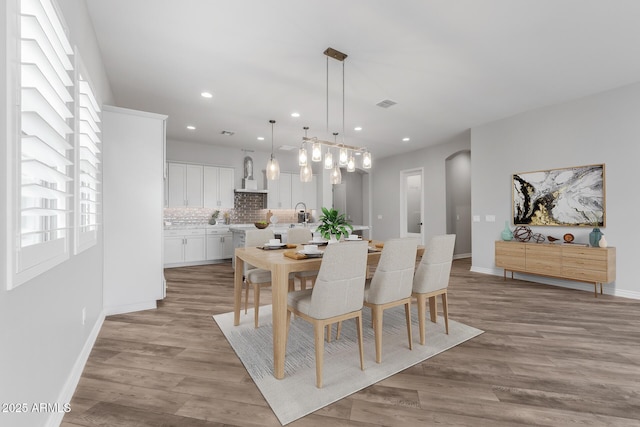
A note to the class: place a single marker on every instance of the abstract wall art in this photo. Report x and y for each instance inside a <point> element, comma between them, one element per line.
<point>572,196</point>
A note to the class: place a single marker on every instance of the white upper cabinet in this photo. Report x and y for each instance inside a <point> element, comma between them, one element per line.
<point>218,187</point>
<point>197,186</point>
<point>279,196</point>
<point>305,192</point>
<point>185,185</point>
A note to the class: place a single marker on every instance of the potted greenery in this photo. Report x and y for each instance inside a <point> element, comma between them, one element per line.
<point>333,225</point>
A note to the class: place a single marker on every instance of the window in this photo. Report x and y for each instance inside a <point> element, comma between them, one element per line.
<point>87,163</point>
<point>44,147</point>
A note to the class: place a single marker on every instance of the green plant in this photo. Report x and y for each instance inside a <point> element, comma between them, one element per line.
<point>333,223</point>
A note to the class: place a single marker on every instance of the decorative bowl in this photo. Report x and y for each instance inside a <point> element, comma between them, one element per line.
<point>261,225</point>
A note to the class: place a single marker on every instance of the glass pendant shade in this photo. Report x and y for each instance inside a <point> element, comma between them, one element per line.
<point>351,164</point>
<point>305,173</point>
<point>344,157</point>
<point>316,152</point>
<point>366,160</point>
<point>328,160</point>
<point>336,175</point>
<point>273,169</point>
<point>302,156</point>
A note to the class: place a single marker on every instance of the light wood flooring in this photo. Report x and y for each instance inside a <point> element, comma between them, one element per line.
<point>549,356</point>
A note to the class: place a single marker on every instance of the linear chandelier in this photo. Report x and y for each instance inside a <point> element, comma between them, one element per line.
<point>345,153</point>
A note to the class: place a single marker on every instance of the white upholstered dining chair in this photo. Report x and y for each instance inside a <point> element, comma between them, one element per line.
<point>391,284</point>
<point>300,236</point>
<point>337,295</point>
<point>256,277</point>
<point>432,279</point>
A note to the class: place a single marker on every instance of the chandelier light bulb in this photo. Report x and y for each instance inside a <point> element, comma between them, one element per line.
<point>336,175</point>
<point>302,156</point>
<point>273,168</point>
<point>366,160</point>
<point>316,152</point>
<point>351,164</point>
<point>306,174</point>
<point>344,157</point>
<point>328,160</point>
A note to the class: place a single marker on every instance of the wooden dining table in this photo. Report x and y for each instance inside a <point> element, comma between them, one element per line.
<point>280,267</point>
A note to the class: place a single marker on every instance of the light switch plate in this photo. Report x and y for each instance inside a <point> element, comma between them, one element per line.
<point>476,218</point>
<point>490,218</point>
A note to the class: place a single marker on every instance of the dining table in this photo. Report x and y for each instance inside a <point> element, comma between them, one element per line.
<point>280,267</point>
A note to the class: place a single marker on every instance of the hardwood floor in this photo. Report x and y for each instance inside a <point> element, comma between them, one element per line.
<point>549,356</point>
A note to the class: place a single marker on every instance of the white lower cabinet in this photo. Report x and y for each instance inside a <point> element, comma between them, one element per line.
<point>197,246</point>
<point>219,245</point>
<point>184,246</point>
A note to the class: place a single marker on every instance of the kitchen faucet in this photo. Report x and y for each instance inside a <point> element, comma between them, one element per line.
<point>305,216</point>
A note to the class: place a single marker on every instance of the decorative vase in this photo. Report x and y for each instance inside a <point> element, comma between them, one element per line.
<point>602,242</point>
<point>333,239</point>
<point>212,221</point>
<point>594,237</point>
<point>507,234</point>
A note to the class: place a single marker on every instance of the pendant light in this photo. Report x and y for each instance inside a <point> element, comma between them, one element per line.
<point>302,153</point>
<point>306,175</point>
<point>343,158</point>
<point>336,175</point>
<point>351,164</point>
<point>366,160</point>
<point>273,168</point>
<point>316,152</point>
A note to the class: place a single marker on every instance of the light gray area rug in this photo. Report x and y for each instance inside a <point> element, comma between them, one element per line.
<point>296,395</point>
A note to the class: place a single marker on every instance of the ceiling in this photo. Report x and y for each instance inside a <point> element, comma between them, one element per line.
<point>449,65</point>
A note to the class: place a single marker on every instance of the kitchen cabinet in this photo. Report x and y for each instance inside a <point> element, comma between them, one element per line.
<point>184,247</point>
<point>219,244</point>
<point>185,185</point>
<point>288,190</point>
<point>305,192</point>
<point>218,187</point>
<point>279,195</point>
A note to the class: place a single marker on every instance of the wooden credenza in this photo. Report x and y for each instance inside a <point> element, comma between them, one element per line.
<point>571,262</point>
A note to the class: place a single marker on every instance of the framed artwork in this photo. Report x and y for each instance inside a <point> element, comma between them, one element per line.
<point>560,197</point>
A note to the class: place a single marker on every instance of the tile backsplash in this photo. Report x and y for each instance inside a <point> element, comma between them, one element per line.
<point>248,208</point>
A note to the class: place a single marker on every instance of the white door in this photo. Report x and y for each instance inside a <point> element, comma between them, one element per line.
<point>173,249</point>
<point>177,184</point>
<point>214,247</point>
<point>194,249</point>
<point>194,186</point>
<point>210,187</point>
<point>225,188</point>
<point>411,203</point>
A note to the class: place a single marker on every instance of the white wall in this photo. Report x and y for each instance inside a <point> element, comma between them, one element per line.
<point>603,128</point>
<point>41,334</point>
<point>385,184</point>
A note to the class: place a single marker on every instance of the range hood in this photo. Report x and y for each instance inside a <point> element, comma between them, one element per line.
<point>249,186</point>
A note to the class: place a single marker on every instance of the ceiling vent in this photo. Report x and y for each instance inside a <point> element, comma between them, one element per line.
<point>287,148</point>
<point>386,103</point>
<point>227,132</point>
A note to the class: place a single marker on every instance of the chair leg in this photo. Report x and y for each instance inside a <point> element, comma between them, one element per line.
<point>407,312</point>
<point>376,312</point>
<point>256,301</point>
<point>246,297</point>
<point>318,332</point>
<point>445,311</point>
<point>360,341</point>
<point>338,330</point>
<point>422,314</point>
<point>433,309</point>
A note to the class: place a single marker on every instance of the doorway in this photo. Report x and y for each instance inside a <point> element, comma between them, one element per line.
<point>411,203</point>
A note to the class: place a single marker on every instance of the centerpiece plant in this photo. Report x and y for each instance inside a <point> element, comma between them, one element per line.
<point>333,225</point>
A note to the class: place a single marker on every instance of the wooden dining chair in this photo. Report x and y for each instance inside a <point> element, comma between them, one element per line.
<point>255,277</point>
<point>432,279</point>
<point>390,285</point>
<point>337,295</point>
<point>301,236</point>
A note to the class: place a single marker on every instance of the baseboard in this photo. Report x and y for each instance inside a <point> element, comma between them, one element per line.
<point>461,256</point>
<point>128,308</point>
<point>588,287</point>
<point>66,394</point>
<point>194,263</point>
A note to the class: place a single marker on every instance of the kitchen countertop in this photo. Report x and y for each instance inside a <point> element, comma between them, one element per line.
<point>241,228</point>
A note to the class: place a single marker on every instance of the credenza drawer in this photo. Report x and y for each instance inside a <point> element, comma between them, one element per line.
<point>599,276</point>
<point>510,255</point>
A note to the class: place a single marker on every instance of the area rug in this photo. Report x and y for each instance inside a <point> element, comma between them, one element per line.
<point>296,395</point>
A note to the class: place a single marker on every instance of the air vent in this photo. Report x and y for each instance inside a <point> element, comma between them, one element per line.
<point>386,103</point>
<point>287,148</point>
<point>227,132</point>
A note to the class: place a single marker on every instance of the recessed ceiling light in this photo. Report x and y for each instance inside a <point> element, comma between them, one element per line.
<point>406,139</point>
<point>295,114</point>
<point>357,128</point>
<point>261,138</point>
<point>206,95</point>
<point>191,127</point>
